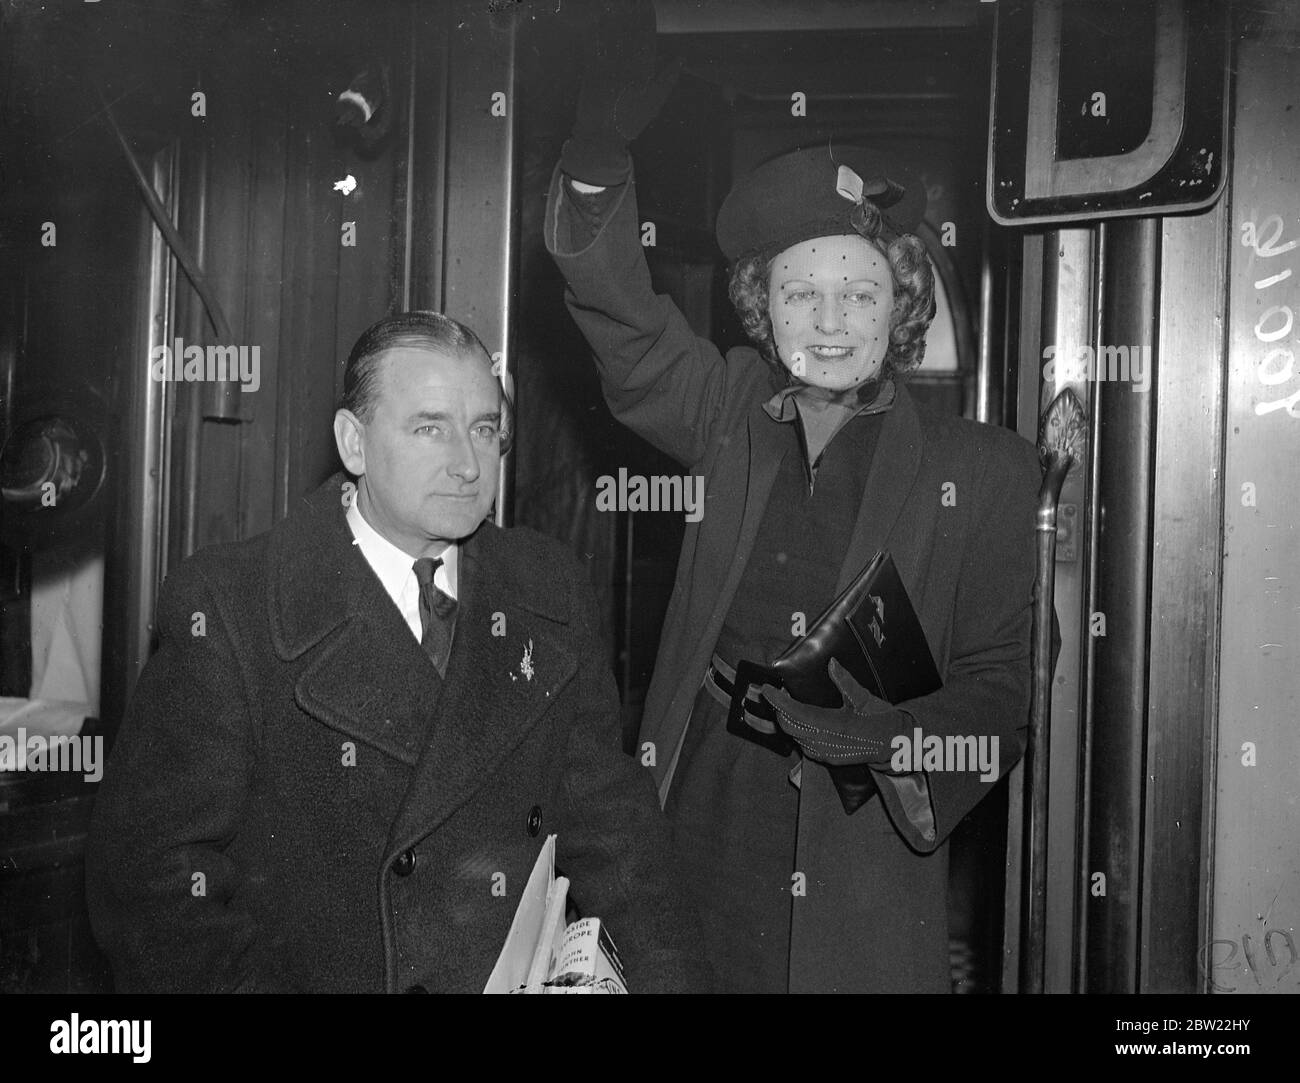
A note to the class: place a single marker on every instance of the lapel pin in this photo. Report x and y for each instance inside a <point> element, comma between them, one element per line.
<point>526,663</point>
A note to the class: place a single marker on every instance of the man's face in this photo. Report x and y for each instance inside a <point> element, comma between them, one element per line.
<point>829,300</point>
<point>429,456</point>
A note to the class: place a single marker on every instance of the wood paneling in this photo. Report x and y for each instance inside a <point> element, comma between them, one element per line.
<point>262,166</point>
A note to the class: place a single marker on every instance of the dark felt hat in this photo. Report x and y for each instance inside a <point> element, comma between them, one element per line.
<point>817,192</point>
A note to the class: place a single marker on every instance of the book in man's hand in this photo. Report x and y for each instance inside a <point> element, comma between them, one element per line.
<point>873,631</point>
<point>543,954</point>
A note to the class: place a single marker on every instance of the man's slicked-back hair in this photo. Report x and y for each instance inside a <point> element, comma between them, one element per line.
<point>422,329</point>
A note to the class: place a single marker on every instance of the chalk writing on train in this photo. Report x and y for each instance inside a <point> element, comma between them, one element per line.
<point>1276,369</point>
<point>1264,964</point>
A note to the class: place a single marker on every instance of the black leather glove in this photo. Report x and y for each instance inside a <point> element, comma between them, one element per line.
<point>621,93</point>
<point>860,731</point>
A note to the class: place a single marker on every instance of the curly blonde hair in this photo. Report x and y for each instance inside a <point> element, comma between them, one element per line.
<point>909,320</point>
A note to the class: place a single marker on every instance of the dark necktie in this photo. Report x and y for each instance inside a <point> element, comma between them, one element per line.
<point>437,614</point>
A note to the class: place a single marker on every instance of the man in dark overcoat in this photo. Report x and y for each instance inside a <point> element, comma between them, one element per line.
<point>338,769</point>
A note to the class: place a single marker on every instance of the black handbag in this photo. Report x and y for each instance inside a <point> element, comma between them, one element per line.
<point>872,630</point>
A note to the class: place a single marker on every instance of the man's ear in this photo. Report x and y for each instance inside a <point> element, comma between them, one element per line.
<point>348,432</point>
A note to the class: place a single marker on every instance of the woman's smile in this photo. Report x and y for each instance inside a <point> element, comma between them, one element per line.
<point>831,353</point>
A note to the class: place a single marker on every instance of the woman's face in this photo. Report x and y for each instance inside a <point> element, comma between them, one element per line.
<point>830,299</point>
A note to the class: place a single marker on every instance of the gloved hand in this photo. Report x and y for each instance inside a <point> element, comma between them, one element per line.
<point>620,92</point>
<point>860,731</point>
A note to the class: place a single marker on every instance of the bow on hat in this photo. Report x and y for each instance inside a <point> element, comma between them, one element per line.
<point>883,192</point>
<point>879,189</point>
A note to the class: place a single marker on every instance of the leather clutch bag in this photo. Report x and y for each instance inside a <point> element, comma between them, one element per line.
<point>872,630</point>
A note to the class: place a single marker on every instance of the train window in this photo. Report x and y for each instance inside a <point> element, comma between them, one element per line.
<point>1104,109</point>
<point>1107,57</point>
<point>53,592</point>
<point>53,463</point>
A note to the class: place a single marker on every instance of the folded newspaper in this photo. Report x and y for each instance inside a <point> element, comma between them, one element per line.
<point>544,955</point>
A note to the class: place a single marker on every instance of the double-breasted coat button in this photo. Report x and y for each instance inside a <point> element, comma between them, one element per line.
<point>404,864</point>
<point>534,822</point>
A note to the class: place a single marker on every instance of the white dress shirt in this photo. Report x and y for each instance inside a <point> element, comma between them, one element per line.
<point>396,569</point>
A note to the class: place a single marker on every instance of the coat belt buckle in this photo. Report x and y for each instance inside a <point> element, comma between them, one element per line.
<point>752,718</point>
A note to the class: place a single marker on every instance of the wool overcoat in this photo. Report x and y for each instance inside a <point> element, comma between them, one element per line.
<point>297,802</point>
<point>952,500</point>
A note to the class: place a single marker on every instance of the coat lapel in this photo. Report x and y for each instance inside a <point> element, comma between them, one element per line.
<point>765,457</point>
<point>363,672</point>
<point>889,484</point>
<point>498,685</point>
